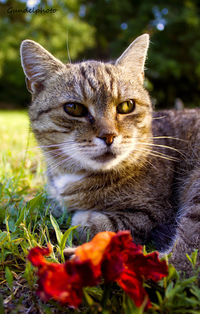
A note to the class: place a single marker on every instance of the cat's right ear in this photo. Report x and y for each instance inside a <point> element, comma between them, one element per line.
<point>38,65</point>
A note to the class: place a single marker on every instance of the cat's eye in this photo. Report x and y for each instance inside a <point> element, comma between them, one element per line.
<point>126,107</point>
<point>75,109</point>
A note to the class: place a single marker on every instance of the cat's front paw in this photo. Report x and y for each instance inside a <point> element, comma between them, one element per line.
<point>90,223</point>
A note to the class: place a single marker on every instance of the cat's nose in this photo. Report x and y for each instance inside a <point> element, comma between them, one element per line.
<point>107,138</point>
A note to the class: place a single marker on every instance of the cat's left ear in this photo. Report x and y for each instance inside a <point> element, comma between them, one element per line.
<point>133,58</point>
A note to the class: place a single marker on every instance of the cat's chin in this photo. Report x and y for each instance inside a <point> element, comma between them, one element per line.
<point>104,162</point>
<point>106,157</point>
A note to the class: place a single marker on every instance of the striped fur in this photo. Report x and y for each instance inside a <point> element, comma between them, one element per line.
<point>147,180</point>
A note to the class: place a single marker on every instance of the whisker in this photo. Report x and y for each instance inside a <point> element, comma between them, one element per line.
<point>60,160</point>
<point>152,165</point>
<point>160,137</point>
<point>61,154</point>
<point>53,145</point>
<point>169,137</point>
<point>158,118</point>
<point>156,153</point>
<point>56,164</point>
<point>54,153</point>
<point>163,146</point>
<point>66,143</point>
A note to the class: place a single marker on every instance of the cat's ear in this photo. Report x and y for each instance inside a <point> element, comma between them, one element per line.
<point>38,65</point>
<point>133,58</point>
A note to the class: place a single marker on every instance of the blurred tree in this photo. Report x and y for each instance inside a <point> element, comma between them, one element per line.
<point>174,55</point>
<point>102,29</point>
<point>55,31</point>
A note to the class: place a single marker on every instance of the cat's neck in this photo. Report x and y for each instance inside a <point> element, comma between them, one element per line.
<point>63,179</point>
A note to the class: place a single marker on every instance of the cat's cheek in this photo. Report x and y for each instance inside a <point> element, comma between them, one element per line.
<point>90,223</point>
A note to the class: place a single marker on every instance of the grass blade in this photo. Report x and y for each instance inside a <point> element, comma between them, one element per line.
<point>59,234</point>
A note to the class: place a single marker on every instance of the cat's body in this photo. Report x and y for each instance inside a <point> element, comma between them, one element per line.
<point>109,161</point>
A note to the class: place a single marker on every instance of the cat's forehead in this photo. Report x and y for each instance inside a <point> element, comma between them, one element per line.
<point>100,78</point>
<point>97,81</point>
<point>97,67</point>
<point>96,71</point>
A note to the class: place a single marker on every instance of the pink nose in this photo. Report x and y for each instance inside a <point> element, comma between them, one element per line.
<point>107,138</point>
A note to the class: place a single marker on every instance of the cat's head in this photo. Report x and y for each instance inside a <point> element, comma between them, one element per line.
<point>89,115</point>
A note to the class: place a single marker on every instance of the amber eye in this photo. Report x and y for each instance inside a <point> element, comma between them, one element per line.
<point>126,106</point>
<point>75,109</point>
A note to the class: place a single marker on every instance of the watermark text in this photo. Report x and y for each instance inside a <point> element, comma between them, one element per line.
<point>12,10</point>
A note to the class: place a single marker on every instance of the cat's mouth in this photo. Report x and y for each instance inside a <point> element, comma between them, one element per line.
<point>108,156</point>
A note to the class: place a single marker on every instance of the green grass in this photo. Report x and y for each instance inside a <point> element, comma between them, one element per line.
<point>20,158</point>
<point>25,222</point>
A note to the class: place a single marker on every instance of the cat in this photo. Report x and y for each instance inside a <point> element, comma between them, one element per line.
<point>115,163</point>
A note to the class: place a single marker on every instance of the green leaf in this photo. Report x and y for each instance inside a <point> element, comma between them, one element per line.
<point>29,275</point>
<point>196,291</point>
<point>172,273</point>
<point>34,202</point>
<point>169,289</point>
<point>189,258</point>
<point>160,300</point>
<point>3,237</point>
<point>129,307</point>
<point>17,241</point>
<point>65,236</point>
<point>88,298</point>
<point>59,234</point>
<point>194,257</point>
<point>188,281</point>
<point>9,277</point>
<point>22,216</point>
<point>95,292</point>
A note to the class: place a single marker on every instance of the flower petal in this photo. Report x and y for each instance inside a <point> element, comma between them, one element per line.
<point>36,255</point>
<point>54,283</point>
<point>94,249</point>
<point>124,262</point>
<point>120,246</point>
<point>84,273</point>
<point>147,266</point>
<point>133,286</point>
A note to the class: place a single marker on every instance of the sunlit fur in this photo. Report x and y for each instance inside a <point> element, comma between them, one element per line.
<point>149,179</point>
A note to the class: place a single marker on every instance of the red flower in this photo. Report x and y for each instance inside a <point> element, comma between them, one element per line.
<point>36,255</point>
<point>125,263</point>
<point>111,255</point>
<point>133,286</point>
<point>94,250</point>
<point>54,279</point>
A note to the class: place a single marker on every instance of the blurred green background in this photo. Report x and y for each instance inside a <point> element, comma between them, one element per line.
<point>102,29</point>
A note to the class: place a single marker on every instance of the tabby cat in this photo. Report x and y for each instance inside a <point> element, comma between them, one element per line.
<point>114,163</point>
